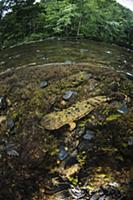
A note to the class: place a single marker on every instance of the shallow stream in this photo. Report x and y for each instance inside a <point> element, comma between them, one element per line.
<point>66,121</point>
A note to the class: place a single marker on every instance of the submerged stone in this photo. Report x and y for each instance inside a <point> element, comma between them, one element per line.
<point>10,124</point>
<point>43,84</point>
<point>69,94</point>
<point>123,109</point>
<point>114,87</point>
<point>130,141</point>
<point>107,193</point>
<point>62,153</point>
<point>89,135</point>
<point>3,102</point>
<point>12,152</point>
<point>2,62</point>
<point>88,76</point>
<point>9,149</point>
<point>95,197</point>
<point>77,192</point>
<point>129,76</point>
<point>84,145</point>
<point>108,52</point>
<point>68,62</point>
<point>79,132</point>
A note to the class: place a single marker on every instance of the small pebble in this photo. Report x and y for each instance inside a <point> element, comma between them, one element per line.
<point>77,192</point>
<point>123,109</point>
<point>69,94</point>
<point>12,152</point>
<point>129,76</point>
<point>3,102</point>
<point>2,62</point>
<point>125,61</point>
<point>108,52</point>
<point>62,153</point>
<point>114,87</point>
<point>89,135</point>
<point>43,84</point>
<point>10,124</point>
<point>88,76</point>
<point>130,141</point>
<point>68,62</point>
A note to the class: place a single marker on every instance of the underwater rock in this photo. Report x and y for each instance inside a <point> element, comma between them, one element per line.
<point>32,64</point>
<point>68,62</point>
<point>129,76</point>
<point>63,103</point>
<point>88,76</point>
<point>17,56</point>
<point>114,87</point>
<point>9,149</point>
<point>69,94</point>
<point>71,160</point>
<point>12,152</point>
<point>77,192</point>
<point>94,197</point>
<point>130,141</point>
<point>89,135</point>
<point>84,145</point>
<point>125,61</point>
<point>2,62</point>
<point>3,102</point>
<point>123,109</point>
<point>62,153</point>
<point>43,84</point>
<point>108,52</point>
<point>10,123</point>
<point>79,132</point>
<point>107,193</point>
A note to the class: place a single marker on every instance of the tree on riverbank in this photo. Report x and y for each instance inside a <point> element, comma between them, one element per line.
<point>101,20</point>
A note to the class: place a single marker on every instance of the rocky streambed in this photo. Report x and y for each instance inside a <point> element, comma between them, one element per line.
<point>66,132</point>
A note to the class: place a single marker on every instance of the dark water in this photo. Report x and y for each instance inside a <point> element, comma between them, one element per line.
<point>67,51</point>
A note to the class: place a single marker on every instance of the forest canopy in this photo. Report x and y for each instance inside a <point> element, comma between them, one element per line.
<point>28,20</point>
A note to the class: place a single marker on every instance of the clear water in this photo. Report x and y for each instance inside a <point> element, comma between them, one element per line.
<point>52,51</point>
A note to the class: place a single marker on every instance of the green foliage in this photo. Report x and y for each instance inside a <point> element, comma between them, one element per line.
<point>59,15</point>
<point>102,20</point>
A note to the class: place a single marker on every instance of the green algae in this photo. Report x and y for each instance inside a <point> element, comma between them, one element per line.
<point>112,117</point>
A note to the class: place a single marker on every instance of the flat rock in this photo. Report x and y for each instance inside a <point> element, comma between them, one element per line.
<point>3,102</point>
<point>89,135</point>
<point>44,84</point>
<point>129,76</point>
<point>10,123</point>
<point>130,141</point>
<point>68,62</point>
<point>123,109</point>
<point>68,94</point>
<point>62,153</point>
